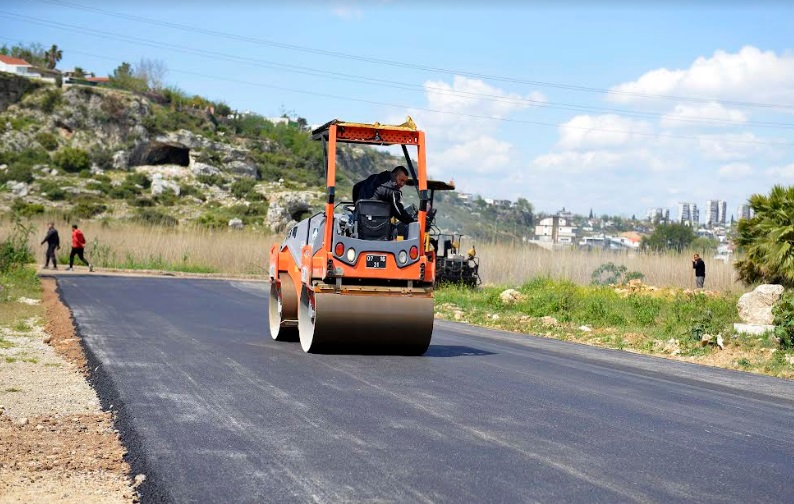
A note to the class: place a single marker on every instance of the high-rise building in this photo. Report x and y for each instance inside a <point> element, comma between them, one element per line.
<point>658,214</point>
<point>743,211</point>
<point>722,212</point>
<point>684,214</point>
<point>715,213</point>
<point>688,213</point>
<point>712,209</point>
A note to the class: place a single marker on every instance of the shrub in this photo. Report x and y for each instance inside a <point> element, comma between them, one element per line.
<point>18,173</point>
<point>15,250</point>
<point>102,157</point>
<point>611,274</point>
<point>87,206</point>
<point>51,190</point>
<point>214,179</point>
<point>47,140</point>
<point>140,179</point>
<point>51,100</point>
<point>72,160</point>
<point>783,311</point>
<point>155,218</point>
<point>243,188</point>
<point>25,209</point>
<point>20,164</point>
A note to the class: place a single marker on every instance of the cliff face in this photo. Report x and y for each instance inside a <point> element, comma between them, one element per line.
<point>13,88</point>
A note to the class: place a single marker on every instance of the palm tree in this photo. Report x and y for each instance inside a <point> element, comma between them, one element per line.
<point>768,239</point>
<point>53,56</point>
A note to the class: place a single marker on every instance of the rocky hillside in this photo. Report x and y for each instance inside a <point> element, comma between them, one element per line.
<point>100,153</point>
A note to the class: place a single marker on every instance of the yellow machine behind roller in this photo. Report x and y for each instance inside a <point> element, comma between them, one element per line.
<point>342,280</point>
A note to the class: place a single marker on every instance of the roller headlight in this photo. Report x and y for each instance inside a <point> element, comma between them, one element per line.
<point>402,257</point>
<point>351,254</point>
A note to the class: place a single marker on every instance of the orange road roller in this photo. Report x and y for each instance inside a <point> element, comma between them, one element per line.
<point>349,279</point>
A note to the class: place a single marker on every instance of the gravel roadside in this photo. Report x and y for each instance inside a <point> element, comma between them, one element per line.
<point>56,443</point>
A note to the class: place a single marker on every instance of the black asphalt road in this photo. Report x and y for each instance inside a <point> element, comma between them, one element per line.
<point>214,411</point>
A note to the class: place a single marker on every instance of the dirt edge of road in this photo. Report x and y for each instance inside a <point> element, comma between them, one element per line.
<point>66,448</point>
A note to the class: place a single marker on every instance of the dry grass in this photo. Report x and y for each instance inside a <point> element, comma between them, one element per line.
<point>515,264</point>
<point>246,252</point>
<point>139,246</point>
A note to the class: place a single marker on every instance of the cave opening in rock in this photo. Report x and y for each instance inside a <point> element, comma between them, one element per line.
<point>160,154</point>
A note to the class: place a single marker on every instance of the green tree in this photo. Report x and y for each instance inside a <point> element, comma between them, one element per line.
<point>767,239</point>
<point>124,78</point>
<point>32,53</point>
<point>669,237</point>
<point>53,56</point>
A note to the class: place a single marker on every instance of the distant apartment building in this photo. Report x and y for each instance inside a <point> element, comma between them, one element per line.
<point>688,214</point>
<point>716,213</point>
<point>743,211</point>
<point>658,214</point>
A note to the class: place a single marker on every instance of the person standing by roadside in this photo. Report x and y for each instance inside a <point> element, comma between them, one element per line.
<point>78,246</point>
<point>53,242</point>
<point>700,271</point>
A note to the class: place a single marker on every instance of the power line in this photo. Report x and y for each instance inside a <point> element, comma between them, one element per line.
<point>388,83</point>
<point>446,112</point>
<point>414,66</point>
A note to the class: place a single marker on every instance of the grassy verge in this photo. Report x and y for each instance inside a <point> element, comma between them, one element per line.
<point>664,322</point>
<point>16,316</point>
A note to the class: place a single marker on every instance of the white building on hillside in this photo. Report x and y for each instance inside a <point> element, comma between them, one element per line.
<point>17,66</point>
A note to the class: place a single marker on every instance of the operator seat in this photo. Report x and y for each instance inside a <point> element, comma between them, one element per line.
<point>372,220</point>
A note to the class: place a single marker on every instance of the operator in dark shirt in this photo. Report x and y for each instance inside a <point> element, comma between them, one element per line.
<point>385,186</point>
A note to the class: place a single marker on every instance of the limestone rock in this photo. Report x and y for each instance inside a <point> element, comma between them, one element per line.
<point>18,189</point>
<point>121,160</point>
<point>286,208</point>
<point>160,185</point>
<point>754,329</point>
<point>756,307</point>
<point>510,296</point>
<point>236,223</point>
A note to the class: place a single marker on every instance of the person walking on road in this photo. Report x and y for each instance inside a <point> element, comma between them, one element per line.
<point>78,246</point>
<point>53,242</point>
<point>700,271</point>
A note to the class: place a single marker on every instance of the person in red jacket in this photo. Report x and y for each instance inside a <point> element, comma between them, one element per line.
<point>78,246</point>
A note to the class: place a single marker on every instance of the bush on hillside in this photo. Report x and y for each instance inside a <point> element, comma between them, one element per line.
<point>47,140</point>
<point>51,190</point>
<point>72,160</point>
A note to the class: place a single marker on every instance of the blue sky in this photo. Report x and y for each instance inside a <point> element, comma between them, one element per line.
<point>612,107</point>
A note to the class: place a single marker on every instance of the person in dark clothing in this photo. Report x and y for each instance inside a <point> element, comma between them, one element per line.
<point>385,186</point>
<point>78,247</point>
<point>53,242</point>
<point>700,270</point>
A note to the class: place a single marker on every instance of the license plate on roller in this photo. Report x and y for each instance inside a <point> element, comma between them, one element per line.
<point>376,261</point>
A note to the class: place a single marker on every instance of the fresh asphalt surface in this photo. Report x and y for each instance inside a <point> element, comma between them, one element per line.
<point>214,411</point>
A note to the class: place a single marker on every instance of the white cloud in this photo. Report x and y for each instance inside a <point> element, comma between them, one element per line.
<point>484,155</point>
<point>347,11</point>
<point>735,170</point>
<point>708,114</point>
<point>467,145</point>
<point>608,130</point>
<point>751,75</point>
<point>734,146</point>
<point>783,172</point>
<point>473,96</point>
